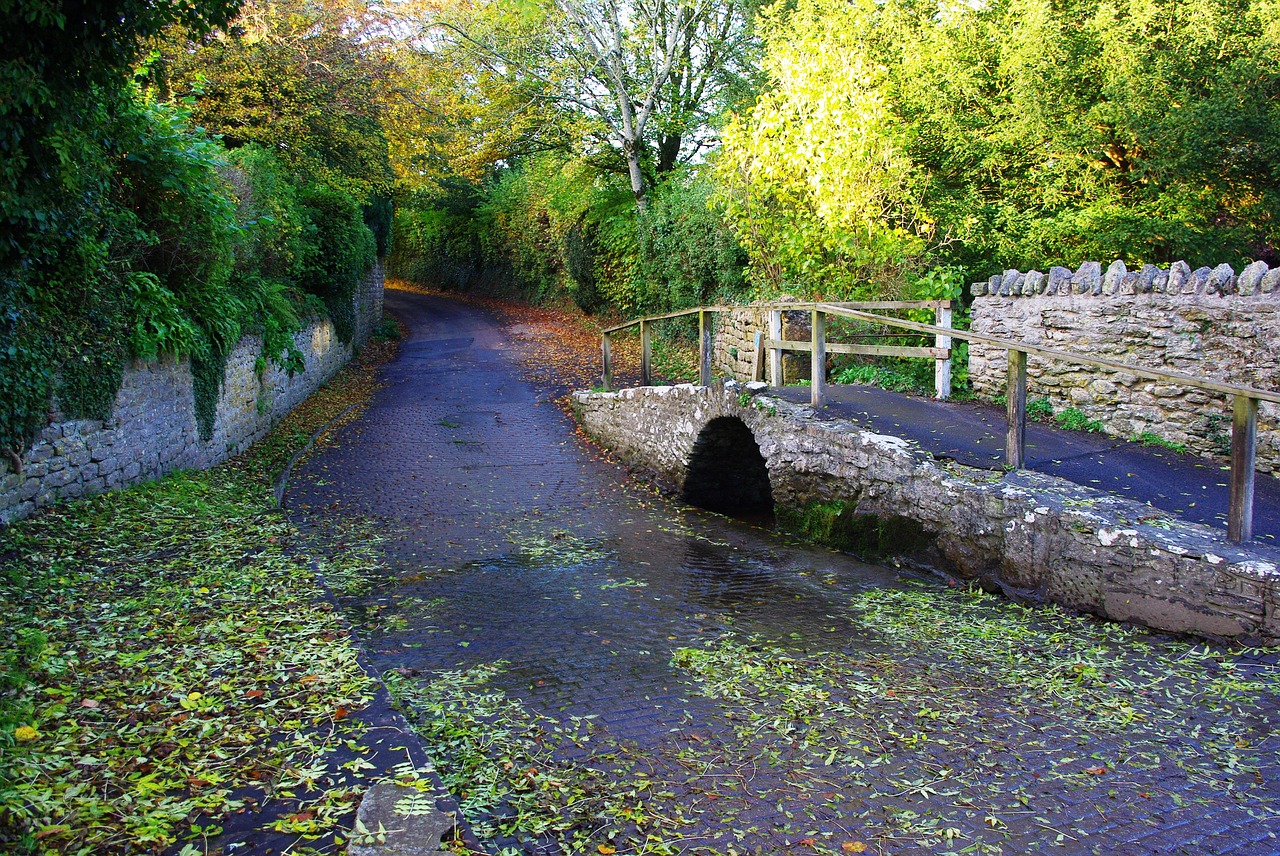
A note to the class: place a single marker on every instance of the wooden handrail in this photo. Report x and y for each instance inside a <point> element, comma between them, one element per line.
<point>1245,399</point>
<point>1179,378</point>
<point>665,316</point>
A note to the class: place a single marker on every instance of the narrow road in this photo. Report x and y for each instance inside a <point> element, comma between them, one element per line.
<point>597,670</point>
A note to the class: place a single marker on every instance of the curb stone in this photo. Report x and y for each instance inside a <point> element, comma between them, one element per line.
<point>399,820</point>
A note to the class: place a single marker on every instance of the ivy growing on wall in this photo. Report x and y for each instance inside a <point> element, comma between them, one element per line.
<point>127,231</point>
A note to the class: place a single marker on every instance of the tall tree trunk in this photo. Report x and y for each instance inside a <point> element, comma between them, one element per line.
<point>632,149</point>
<point>668,151</point>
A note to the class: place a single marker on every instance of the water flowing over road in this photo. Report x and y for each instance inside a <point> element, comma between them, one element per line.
<point>599,670</point>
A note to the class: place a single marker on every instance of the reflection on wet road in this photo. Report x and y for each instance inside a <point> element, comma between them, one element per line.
<point>645,678</point>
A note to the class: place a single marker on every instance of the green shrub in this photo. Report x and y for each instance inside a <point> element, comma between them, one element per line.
<point>1075,420</point>
<point>344,251</point>
<point>1039,409</point>
<point>1149,438</point>
<point>688,256</point>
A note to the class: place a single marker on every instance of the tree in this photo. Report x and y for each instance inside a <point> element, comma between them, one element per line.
<point>631,78</point>
<point>816,178</point>
<point>1009,133</point>
<point>295,77</point>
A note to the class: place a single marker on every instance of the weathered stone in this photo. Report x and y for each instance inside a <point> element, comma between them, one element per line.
<point>398,820</point>
<point>1128,284</point>
<point>1223,338</point>
<point>1196,282</point>
<point>1160,284</point>
<point>1011,283</point>
<point>1111,282</point>
<point>1034,283</point>
<point>1221,280</point>
<point>1064,542</point>
<point>1087,278</point>
<point>1059,280</point>
<point>1250,278</point>
<point>1147,278</point>
<point>978,289</point>
<point>1270,282</point>
<point>993,284</point>
<point>152,430</point>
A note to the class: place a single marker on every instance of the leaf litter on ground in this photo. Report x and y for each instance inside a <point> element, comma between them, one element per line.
<point>172,668</point>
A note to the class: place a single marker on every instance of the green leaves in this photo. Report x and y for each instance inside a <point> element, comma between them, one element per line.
<point>166,655</point>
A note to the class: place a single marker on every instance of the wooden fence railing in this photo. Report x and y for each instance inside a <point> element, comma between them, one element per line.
<point>1244,425</point>
<point>768,351</point>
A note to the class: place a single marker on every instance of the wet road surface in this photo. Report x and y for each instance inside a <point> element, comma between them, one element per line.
<point>664,680</point>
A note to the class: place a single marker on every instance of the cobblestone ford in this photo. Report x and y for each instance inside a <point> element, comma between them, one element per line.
<point>596,669</point>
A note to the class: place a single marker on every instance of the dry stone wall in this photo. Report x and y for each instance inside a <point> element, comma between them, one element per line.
<point>1033,534</point>
<point>1211,322</point>
<point>733,349</point>
<point>152,430</point>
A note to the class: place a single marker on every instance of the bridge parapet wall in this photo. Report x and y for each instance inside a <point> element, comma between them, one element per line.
<point>1210,322</point>
<point>1031,534</point>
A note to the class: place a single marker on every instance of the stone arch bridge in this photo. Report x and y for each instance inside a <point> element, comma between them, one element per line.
<point>732,447</point>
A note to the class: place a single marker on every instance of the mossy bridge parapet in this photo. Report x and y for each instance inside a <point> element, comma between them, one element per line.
<point>1032,534</point>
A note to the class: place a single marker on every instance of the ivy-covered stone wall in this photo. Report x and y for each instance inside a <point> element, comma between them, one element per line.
<point>153,431</point>
<point>1211,322</point>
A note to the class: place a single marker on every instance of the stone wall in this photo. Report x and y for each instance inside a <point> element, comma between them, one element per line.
<point>734,343</point>
<point>152,430</point>
<point>1032,534</point>
<point>1211,323</point>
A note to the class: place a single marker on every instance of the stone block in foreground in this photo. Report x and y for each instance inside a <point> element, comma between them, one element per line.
<point>399,820</point>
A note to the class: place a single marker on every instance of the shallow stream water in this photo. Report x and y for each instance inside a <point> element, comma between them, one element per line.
<point>828,705</point>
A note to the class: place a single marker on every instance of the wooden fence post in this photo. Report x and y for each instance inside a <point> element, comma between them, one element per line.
<point>775,353</point>
<point>606,380</point>
<point>818,366</point>
<point>704,347</point>
<point>646,355</point>
<point>757,369</point>
<point>1244,452</point>
<point>942,368</point>
<point>1015,447</point>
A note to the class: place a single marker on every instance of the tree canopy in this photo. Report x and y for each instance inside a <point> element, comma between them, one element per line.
<point>176,173</point>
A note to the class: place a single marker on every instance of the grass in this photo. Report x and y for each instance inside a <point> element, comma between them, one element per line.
<point>171,660</point>
<point>1073,419</point>
<point>1147,438</point>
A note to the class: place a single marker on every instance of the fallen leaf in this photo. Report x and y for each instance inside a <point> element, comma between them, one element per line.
<point>606,849</point>
<point>853,847</point>
<point>90,703</point>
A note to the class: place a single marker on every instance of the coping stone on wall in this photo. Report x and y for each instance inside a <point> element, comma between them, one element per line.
<point>1209,322</point>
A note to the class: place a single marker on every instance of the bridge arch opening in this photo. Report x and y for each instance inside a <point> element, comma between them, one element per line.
<point>726,472</point>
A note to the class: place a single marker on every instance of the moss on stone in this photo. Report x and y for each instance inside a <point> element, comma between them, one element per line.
<point>840,525</point>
